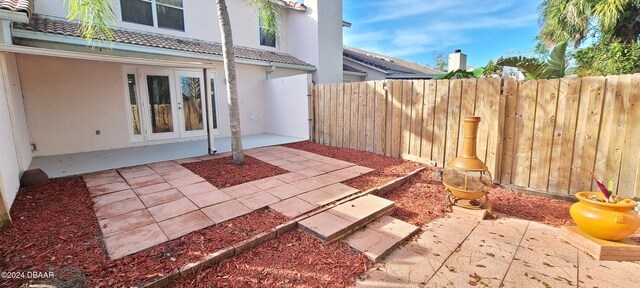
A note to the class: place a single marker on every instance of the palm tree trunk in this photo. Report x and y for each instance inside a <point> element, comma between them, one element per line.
<point>232,85</point>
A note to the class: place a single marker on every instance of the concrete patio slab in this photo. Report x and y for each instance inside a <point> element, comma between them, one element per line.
<point>292,207</point>
<point>172,209</point>
<point>102,181</point>
<point>155,199</point>
<point>145,181</point>
<point>240,190</point>
<point>285,191</point>
<point>267,183</point>
<point>152,189</point>
<point>317,197</point>
<point>197,188</point>
<point>108,188</point>
<point>125,222</point>
<point>118,207</point>
<point>184,181</point>
<point>208,198</point>
<point>258,200</point>
<point>113,197</point>
<point>134,240</point>
<point>380,237</point>
<point>290,177</point>
<point>185,224</point>
<point>225,211</point>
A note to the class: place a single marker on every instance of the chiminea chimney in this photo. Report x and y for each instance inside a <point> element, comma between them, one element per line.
<point>457,60</point>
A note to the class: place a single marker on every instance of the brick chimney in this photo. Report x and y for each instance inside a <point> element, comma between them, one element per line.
<point>457,60</point>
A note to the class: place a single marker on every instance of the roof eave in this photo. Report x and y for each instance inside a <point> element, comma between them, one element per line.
<point>352,73</point>
<point>32,35</point>
<point>14,16</point>
<point>367,65</point>
<point>412,76</point>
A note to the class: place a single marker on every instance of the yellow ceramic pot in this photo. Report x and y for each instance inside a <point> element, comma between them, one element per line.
<point>607,221</point>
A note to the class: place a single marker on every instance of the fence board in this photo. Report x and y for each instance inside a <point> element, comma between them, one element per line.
<point>369,131</point>
<point>607,130</point>
<point>380,115</point>
<point>397,118</point>
<point>629,177</point>
<point>322,112</point>
<point>339,115</point>
<point>615,106</point>
<point>564,135</point>
<point>493,122</point>
<point>346,125</point>
<point>453,122</point>
<point>468,104</point>
<point>524,125</point>
<point>484,111</point>
<point>407,93</point>
<point>334,114</point>
<point>440,124</point>
<point>416,117</point>
<point>355,106</point>
<point>389,117</point>
<point>428,118</point>
<point>511,99</point>
<point>584,156</point>
<point>362,116</point>
<point>543,133</point>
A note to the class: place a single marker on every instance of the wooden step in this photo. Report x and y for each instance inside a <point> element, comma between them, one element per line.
<point>380,237</point>
<point>340,221</point>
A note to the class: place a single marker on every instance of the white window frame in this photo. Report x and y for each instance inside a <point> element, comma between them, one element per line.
<point>134,138</point>
<point>213,98</point>
<point>154,15</point>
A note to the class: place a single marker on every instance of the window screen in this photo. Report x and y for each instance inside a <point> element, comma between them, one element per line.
<point>170,14</point>
<point>265,38</point>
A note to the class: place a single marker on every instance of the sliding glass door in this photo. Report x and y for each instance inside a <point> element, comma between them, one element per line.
<point>191,104</point>
<point>161,110</point>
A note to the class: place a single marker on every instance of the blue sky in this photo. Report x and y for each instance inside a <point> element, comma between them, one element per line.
<point>417,29</point>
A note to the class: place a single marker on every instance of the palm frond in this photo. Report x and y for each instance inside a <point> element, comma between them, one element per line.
<point>270,15</point>
<point>556,63</point>
<point>95,18</point>
<point>532,67</point>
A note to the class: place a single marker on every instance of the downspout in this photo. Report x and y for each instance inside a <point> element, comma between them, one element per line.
<point>272,68</point>
<point>210,149</point>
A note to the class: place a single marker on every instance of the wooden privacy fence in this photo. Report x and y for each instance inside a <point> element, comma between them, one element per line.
<point>543,135</point>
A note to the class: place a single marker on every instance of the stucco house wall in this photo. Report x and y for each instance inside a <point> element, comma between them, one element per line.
<point>68,100</point>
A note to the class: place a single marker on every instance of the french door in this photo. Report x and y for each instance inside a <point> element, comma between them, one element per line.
<point>172,104</point>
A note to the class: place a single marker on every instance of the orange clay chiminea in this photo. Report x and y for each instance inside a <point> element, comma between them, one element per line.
<point>467,178</point>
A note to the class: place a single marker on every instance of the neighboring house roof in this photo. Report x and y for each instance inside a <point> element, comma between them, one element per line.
<point>56,26</point>
<point>389,65</point>
<point>25,6</point>
<point>348,68</point>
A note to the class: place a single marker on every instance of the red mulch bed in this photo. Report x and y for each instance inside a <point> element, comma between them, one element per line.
<point>55,229</point>
<point>221,173</point>
<point>387,168</point>
<point>421,200</point>
<point>292,260</point>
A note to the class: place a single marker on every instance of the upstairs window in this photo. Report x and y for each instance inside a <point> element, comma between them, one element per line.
<point>157,13</point>
<point>266,38</point>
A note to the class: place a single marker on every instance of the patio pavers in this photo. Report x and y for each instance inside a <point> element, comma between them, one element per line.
<point>165,200</point>
<point>226,210</point>
<point>185,224</point>
<point>457,251</point>
<point>172,209</point>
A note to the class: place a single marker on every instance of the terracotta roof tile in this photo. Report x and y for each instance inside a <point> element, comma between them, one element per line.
<point>58,26</point>
<point>25,6</point>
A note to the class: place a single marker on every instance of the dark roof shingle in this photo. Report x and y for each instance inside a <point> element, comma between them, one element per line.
<point>389,64</point>
<point>25,6</point>
<point>58,26</point>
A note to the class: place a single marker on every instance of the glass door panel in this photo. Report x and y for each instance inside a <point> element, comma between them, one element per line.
<point>161,106</point>
<point>191,103</point>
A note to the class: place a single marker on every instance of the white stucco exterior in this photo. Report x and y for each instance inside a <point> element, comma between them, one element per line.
<point>57,104</point>
<point>372,74</point>
<point>15,152</point>
<point>287,105</point>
